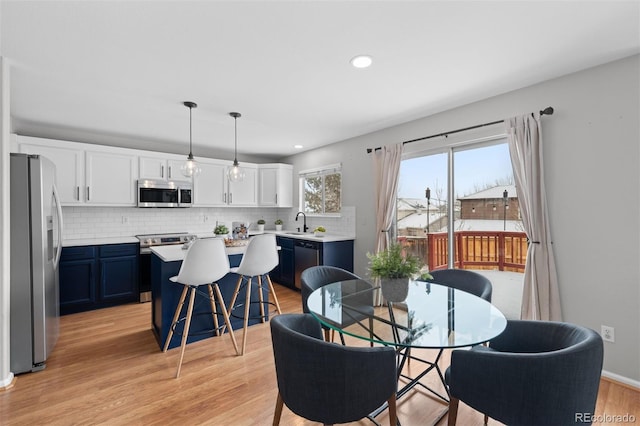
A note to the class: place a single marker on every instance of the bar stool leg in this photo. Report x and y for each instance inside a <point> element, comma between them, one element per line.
<point>235,293</point>
<point>261,298</point>
<point>273,292</point>
<point>214,311</point>
<point>227,321</point>
<point>185,332</point>
<point>246,315</point>
<point>175,318</point>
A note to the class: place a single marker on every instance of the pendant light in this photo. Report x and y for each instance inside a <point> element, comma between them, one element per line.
<point>190,167</point>
<point>236,174</point>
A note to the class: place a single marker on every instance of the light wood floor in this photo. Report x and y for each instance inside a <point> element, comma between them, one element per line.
<point>108,369</point>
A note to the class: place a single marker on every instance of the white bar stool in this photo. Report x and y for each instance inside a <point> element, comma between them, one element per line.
<point>259,259</point>
<point>205,263</point>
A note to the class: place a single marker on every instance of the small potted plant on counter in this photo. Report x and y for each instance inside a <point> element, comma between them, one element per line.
<point>319,231</point>
<point>221,231</point>
<point>279,223</point>
<point>261,223</point>
<point>395,271</point>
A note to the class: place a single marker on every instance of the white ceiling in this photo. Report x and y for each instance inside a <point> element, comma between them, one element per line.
<point>122,69</point>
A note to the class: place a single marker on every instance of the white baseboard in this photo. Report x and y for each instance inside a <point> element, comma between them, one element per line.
<point>618,378</point>
<point>6,382</point>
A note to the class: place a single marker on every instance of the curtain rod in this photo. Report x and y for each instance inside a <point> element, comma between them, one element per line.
<point>546,111</point>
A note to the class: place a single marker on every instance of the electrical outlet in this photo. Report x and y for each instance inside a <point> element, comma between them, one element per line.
<point>125,219</point>
<point>608,334</point>
<point>205,218</point>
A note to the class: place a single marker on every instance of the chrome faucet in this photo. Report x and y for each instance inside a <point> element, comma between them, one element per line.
<point>304,226</point>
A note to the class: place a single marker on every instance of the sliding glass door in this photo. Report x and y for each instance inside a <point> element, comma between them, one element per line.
<point>458,208</point>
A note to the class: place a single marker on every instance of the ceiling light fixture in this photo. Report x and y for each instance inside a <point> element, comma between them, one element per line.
<point>190,167</point>
<point>298,146</point>
<point>236,174</point>
<point>362,61</point>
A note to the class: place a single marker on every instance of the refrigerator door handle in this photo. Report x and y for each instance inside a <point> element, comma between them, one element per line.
<point>59,209</point>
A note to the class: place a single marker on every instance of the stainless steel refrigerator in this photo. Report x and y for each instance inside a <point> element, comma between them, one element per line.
<point>36,245</point>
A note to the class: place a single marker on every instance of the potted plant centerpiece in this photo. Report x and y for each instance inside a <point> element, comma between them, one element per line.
<point>221,230</point>
<point>279,223</point>
<point>395,270</point>
<point>261,223</point>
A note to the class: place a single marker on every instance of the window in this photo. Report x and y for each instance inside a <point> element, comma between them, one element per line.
<point>321,190</point>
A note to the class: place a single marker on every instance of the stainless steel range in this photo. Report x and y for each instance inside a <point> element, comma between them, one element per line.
<point>146,242</point>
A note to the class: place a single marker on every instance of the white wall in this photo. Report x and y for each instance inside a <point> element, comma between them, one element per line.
<point>592,163</point>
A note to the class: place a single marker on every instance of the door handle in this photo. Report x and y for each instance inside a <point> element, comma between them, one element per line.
<point>59,209</point>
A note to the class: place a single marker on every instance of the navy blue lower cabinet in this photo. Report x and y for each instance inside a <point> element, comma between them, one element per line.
<point>78,271</point>
<point>166,294</point>
<point>93,277</point>
<point>284,273</point>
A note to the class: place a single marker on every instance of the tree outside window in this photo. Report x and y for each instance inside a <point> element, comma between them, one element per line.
<point>321,191</point>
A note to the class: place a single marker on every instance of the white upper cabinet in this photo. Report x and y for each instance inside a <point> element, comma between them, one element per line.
<point>212,188</point>
<point>69,168</point>
<point>209,187</point>
<point>161,168</point>
<point>96,175</point>
<point>103,177</point>
<point>275,185</point>
<point>111,178</point>
<point>244,193</point>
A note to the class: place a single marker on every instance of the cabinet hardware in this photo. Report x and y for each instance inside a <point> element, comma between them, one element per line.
<point>88,194</point>
<point>170,173</point>
<point>161,171</point>
<point>276,198</point>
<point>78,193</point>
<point>230,198</point>
<point>224,198</point>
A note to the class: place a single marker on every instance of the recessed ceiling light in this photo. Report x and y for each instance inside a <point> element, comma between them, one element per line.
<point>298,146</point>
<point>362,61</point>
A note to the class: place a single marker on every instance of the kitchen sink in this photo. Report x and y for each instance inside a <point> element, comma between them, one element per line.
<point>297,233</point>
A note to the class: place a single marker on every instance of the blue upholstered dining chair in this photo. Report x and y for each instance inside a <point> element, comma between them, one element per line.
<point>534,373</point>
<point>464,280</point>
<point>326,382</point>
<point>315,277</point>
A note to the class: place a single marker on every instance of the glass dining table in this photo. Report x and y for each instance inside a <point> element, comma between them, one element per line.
<point>430,316</point>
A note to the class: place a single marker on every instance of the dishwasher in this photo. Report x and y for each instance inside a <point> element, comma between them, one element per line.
<point>306,255</point>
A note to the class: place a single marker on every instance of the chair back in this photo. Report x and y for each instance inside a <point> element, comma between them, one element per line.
<point>318,276</point>
<point>464,280</point>
<point>205,262</point>
<point>325,382</point>
<point>535,372</point>
<point>260,257</point>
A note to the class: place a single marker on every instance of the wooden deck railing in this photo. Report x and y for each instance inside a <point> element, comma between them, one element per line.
<point>504,251</point>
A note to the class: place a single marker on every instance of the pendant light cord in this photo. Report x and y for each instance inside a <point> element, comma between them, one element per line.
<point>235,151</point>
<point>190,133</point>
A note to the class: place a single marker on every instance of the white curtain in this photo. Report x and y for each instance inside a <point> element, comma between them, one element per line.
<point>540,298</point>
<point>386,168</point>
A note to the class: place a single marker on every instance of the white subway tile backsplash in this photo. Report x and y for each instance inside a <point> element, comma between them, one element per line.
<point>99,222</point>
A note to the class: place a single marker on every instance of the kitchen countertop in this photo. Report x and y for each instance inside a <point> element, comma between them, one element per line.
<point>74,242</point>
<point>327,238</point>
<point>175,252</point>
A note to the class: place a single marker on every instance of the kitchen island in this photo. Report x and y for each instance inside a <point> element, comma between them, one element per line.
<point>165,263</point>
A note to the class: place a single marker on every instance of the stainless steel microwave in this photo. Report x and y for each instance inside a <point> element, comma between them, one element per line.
<point>162,193</point>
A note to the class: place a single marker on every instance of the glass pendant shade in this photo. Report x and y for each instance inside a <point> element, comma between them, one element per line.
<point>190,168</point>
<point>236,173</point>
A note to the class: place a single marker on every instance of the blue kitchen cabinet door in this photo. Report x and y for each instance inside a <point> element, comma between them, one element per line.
<point>119,279</point>
<point>77,288</point>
